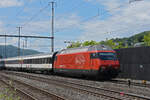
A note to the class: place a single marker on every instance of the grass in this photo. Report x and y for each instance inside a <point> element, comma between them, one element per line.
<point>9,93</point>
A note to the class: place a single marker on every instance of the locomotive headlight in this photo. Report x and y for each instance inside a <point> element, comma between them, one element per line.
<point>116,67</point>
<point>103,67</point>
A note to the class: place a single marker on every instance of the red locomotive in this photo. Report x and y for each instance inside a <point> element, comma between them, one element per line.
<point>100,61</point>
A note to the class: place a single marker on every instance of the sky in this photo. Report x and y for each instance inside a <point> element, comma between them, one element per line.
<point>75,20</point>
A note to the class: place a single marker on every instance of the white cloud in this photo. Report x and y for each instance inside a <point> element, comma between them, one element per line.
<point>68,21</point>
<point>1,27</point>
<point>124,21</point>
<point>43,28</point>
<point>63,22</point>
<point>10,3</point>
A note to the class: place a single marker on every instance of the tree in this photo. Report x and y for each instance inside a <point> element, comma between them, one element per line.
<point>110,43</point>
<point>118,45</point>
<point>75,45</point>
<point>87,43</point>
<point>147,39</point>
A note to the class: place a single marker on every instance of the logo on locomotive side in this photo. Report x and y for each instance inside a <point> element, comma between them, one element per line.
<point>80,59</point>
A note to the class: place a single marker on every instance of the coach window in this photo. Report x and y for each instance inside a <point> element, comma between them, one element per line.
<point>25,61</point>
<point>8,62</point>
<point>30,61</point>
<point>45,60</point>
<point>13,62</point>
<point>42,60</point>
<point>39,61</point>
<point>50,60</point>
<point>35,61</point>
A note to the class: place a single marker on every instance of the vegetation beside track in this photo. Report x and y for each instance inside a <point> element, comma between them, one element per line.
<point>7,93</point>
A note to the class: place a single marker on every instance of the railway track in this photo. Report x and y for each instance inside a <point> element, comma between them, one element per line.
<point>100,92</point>
<point>22,94</point>
<point>31,92</point>
<point>132,83</point>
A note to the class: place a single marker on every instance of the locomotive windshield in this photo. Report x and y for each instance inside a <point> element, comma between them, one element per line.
<point>107,56</point>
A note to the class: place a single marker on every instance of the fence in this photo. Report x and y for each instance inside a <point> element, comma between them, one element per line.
<point>135,63</point>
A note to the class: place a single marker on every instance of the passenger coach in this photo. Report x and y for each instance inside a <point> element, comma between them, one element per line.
<point>42,62</point>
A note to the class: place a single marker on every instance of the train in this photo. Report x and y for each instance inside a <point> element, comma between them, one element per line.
<point>99,61</point>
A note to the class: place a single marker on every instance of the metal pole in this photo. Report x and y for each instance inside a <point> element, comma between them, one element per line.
<point>52,41</point>
<point>19,31</point>
<point>23,48</point>
<point>5,46</point>
<point>26,42</point>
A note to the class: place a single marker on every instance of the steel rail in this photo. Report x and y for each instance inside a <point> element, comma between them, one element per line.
<point>45,92</point>
<point>64,83</point>
<point>132,83</point>
<point>19,91</point>
<point>59,82</point>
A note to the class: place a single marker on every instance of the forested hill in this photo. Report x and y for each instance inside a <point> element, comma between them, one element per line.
<point>12,51</point>
<point>133,39</point>
<point>141,39</point>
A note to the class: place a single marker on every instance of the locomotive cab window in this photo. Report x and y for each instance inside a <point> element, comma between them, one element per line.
<point>107,56</point>
<point>93,55</point>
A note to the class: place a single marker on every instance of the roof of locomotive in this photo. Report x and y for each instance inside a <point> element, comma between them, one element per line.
<point>86,48</point>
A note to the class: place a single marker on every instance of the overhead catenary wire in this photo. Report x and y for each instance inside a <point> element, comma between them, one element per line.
<point>41,3</point>
<point>35,15</point>
<point>22,9</point>
<point>92,17</point>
